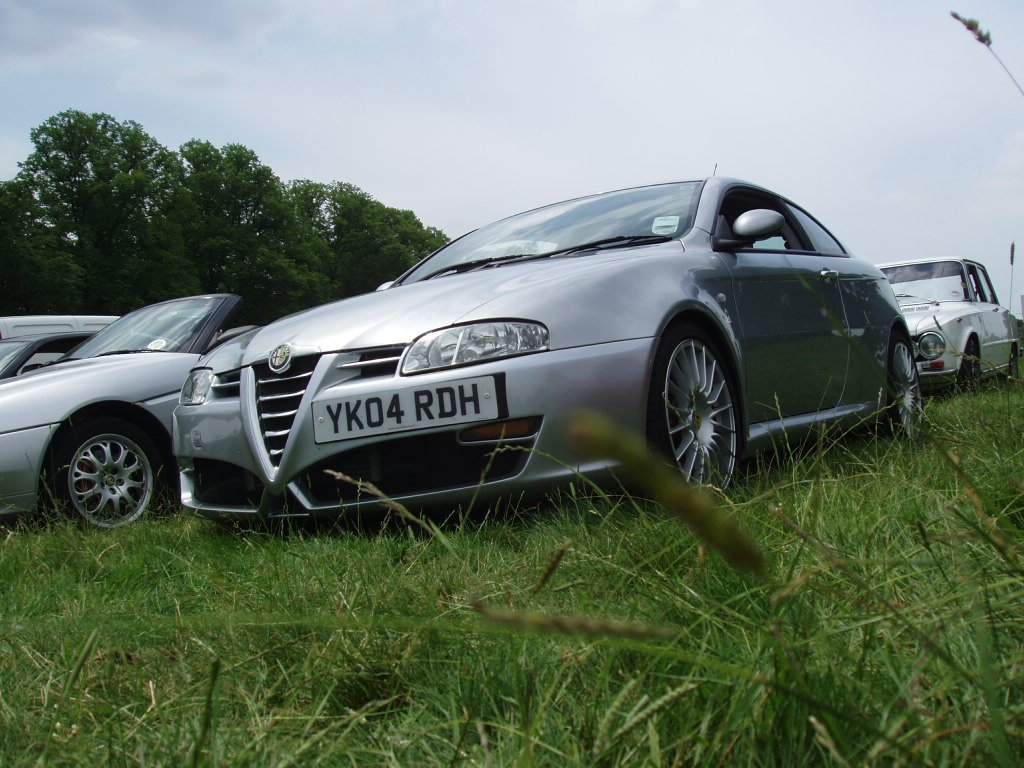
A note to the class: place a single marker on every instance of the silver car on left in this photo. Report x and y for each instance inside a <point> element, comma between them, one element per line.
<point>92,430</point>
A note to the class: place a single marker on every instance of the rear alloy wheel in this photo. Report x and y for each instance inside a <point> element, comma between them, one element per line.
<point>106,470</point>
<point>692,411</point>
<point>1013,367</point>
<point>903,397</point>
<point>969,376</point>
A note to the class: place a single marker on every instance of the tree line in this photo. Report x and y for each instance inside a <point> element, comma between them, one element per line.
<point>101,219</point>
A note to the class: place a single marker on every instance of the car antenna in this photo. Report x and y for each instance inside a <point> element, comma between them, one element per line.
<point>714,171</point>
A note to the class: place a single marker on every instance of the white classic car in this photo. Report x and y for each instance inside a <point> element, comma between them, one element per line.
<point>961,334</point>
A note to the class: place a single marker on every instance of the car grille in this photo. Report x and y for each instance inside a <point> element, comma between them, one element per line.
<point>278,395</point>
<point>277,401</point>
<point>415,464</point>
<point>217,482</point>
<point>226,385</point>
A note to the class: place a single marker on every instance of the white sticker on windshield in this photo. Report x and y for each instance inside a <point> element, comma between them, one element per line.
<point>665,225</point>
<point>157,344</point>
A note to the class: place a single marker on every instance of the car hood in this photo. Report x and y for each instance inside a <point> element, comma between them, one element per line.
<point>48,395</point>
<point>397,315</point>
<point>924,314</point>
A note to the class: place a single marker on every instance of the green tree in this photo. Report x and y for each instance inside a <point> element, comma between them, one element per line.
<point>35,275</point>
<point>367,242</point>
<point>102,190</point>
<point>241,230</point>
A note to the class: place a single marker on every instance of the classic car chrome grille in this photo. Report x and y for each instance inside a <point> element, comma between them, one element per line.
<point>277,401</point>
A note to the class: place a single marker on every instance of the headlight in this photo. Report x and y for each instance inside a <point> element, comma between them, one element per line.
<point>196,387</point>
<point>931,345</point>
<point>475,343</point>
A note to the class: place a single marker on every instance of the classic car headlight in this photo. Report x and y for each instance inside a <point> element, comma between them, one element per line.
<point>476,343</point>
<point>196,387</point>
<point>931,345</point>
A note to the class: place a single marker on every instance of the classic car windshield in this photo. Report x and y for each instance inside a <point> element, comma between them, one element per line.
<point>938,280</point>
<point>624,217</point>
<point>164,327</point>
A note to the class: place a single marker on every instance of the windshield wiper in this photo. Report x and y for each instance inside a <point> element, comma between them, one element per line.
<point>466,266</point>
<point>619,240</point>
<point>124,352</point>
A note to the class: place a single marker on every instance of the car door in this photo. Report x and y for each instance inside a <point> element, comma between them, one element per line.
<point>792,323</point>
<point>995,321</point>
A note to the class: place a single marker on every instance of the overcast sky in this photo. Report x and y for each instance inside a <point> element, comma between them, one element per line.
<point>885,119</point>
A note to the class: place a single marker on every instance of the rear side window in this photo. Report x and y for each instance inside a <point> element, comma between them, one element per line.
<point>822,241</point>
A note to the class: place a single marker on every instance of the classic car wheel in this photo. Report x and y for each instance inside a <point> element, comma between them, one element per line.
<point>969,376</point>
<point>106,470</point>
<point>692,412</point>
<point>904,388</point>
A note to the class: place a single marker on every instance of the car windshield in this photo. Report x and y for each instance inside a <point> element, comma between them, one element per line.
<point>10,350</point>
<point>938,280</point>
<point>625,217</point>
<point>166,327</point>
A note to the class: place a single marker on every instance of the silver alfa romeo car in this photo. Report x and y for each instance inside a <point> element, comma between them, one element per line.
<point>714,317</point>
<point>91,430</point>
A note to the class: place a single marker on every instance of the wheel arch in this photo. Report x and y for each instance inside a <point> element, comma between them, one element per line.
<point>724,341</point>
<point>130,412</point>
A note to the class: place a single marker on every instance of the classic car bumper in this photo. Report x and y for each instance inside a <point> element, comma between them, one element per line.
<point>224,476</point>
<point>938,373</point>
<point>21,460</point>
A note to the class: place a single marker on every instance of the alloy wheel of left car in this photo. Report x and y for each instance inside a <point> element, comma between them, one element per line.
<point>106,471</point>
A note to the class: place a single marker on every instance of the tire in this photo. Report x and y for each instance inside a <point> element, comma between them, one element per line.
<point>969,376</point>
<point>106,470</point>
<point>1013,367</point>
<point>903,388</point>
<point>692,407</point>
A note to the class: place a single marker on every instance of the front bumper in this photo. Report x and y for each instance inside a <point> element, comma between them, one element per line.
<point>21,462</point>
<point>225,472</point>
<point>938,373</point>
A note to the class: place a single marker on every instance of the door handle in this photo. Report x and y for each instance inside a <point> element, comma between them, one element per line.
<point>829,274</point>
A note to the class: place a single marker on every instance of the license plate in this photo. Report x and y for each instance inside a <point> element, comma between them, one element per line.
<point>395,410</point>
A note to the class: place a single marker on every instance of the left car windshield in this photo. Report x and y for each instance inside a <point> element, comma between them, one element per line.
<point>10,350</point>
<point>662,210</point>
<point>166,327</point>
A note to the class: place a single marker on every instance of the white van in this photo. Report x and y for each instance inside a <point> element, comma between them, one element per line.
<point>19,325</point>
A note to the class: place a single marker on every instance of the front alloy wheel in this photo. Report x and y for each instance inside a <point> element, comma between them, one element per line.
<point>693,391</point>
<point>904,389</point>
<point>106,470</point>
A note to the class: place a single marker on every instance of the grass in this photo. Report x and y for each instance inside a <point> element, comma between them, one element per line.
<point>885,627</point>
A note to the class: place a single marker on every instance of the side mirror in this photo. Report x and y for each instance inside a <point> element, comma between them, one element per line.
<point>749,227</point>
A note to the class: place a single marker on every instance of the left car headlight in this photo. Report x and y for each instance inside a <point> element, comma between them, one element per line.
<point>475,343</point>
<point>196,387</point>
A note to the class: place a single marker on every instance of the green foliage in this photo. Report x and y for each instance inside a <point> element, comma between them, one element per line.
<point>102,219</point>
<point>884,628</point>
